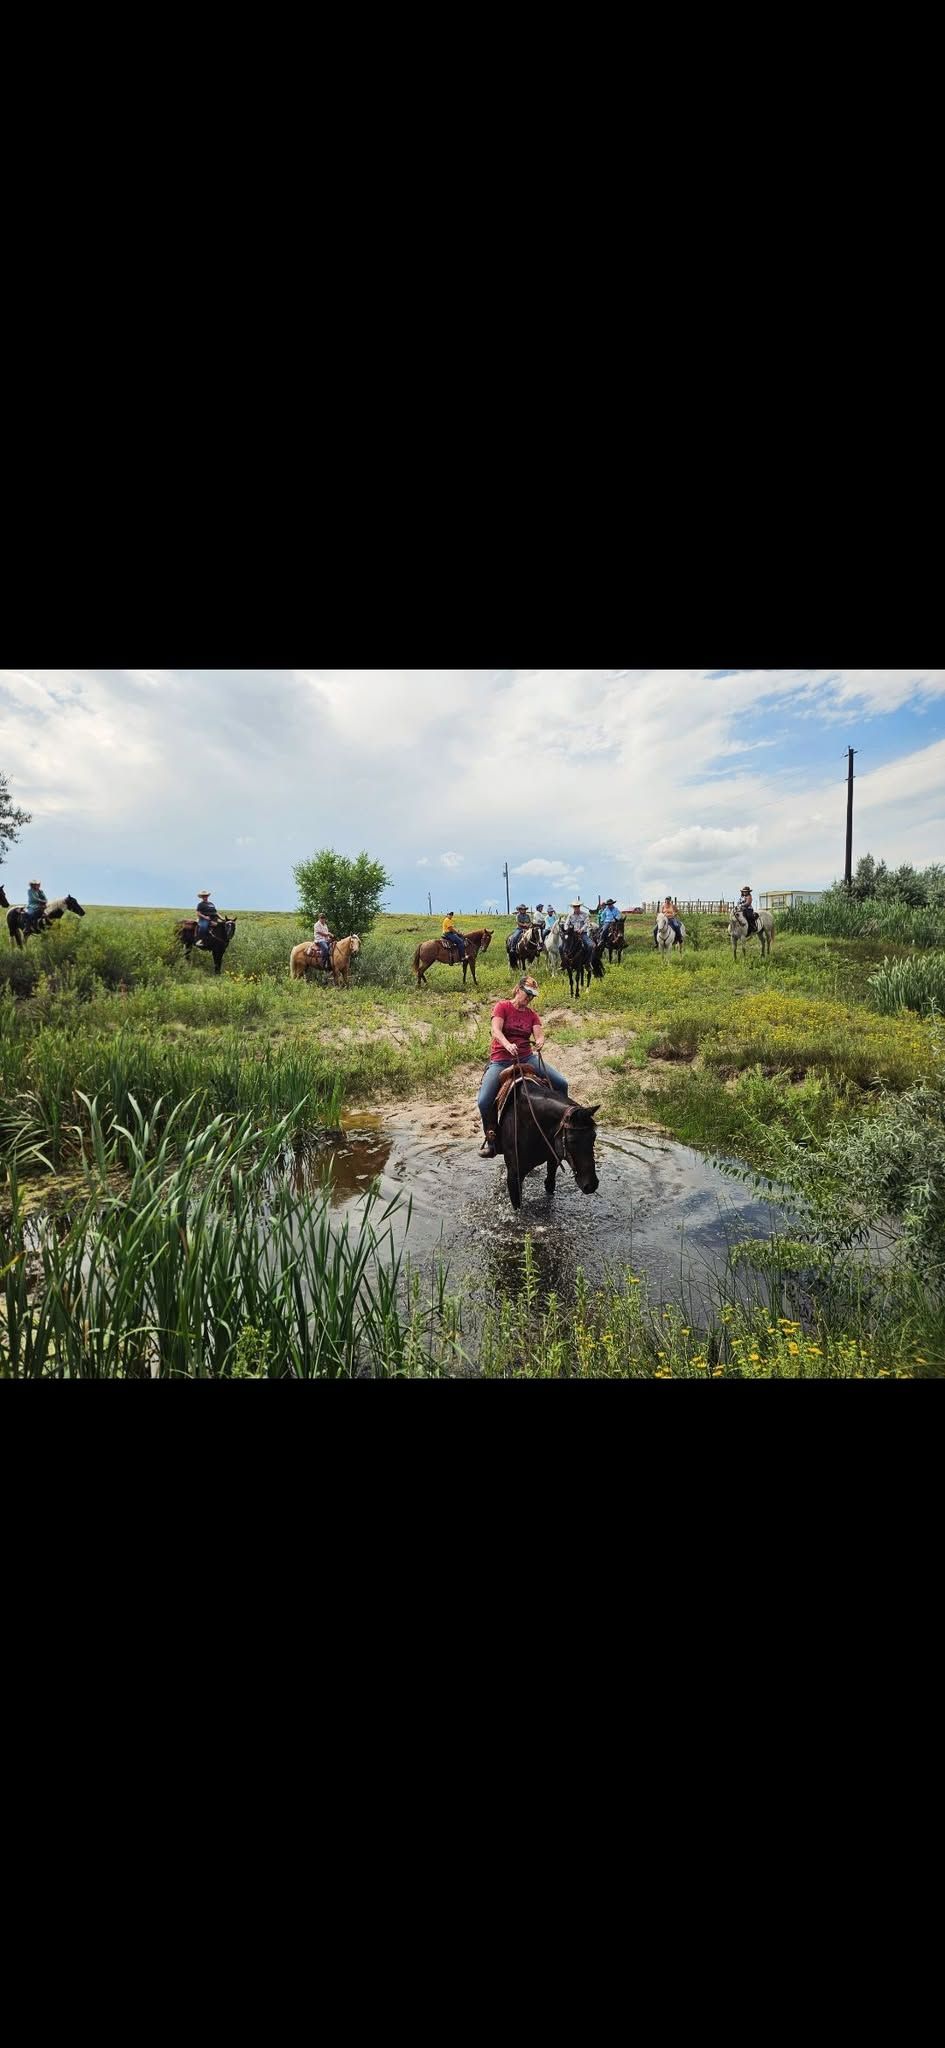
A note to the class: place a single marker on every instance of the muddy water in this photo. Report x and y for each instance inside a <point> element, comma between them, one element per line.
<point>660,1209</point>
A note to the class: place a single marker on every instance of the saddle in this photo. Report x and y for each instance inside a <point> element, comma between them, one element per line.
<point>318,952</point>
<point>511,1081</point>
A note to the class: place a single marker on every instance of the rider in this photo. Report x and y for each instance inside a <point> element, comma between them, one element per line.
<point>324,937</point>
<point>746,908</point>
<point>516,1025</point>
<point>538,918</point>
<point>207,914</point>
<point>35,904</point>
<point>522,922</point>
<point>579,921</point>
<point>608,915</point>
<point>671,915</point>
<point>452,939</point>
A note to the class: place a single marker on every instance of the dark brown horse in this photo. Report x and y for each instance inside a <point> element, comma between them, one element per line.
<point>538,1127</point>
<point>216,941</point>
<point>612,940</point>
<point>524,945</point>
<point>21,928</point>
<point>432,950</point>
<point>579,967</point>
<point>4,901</point>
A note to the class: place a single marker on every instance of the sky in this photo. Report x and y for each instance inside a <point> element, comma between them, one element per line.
<point>146,785</point>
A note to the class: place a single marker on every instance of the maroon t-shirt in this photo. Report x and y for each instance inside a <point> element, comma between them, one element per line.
<point>518,1025</point>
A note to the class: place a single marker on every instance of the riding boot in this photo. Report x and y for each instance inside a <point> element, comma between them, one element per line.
<point>487,1148</point>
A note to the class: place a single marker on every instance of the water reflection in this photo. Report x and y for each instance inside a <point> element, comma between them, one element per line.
<point>343,1162</point>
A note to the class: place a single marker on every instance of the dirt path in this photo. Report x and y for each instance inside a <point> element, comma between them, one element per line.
<point>454,1114</point>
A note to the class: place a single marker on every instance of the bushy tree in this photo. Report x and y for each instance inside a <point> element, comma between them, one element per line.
<point>11,819</point>
<point>348,891</point>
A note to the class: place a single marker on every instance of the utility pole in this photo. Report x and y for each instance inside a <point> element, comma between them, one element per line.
<point>508,906</point>
<point>429,903</point>
<point>848,869</point>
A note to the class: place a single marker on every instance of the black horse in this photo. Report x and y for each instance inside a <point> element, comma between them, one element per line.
<point>612,940</point>
<point>21,927</point>
<point>4,899</point>
<point>580,968</point>
<point>538,1126</point>
<point>215,942</point>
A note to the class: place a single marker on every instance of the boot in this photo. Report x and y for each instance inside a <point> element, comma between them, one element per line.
<point>487,1148</point>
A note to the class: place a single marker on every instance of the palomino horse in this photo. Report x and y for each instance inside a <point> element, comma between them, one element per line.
<point>18,922</point>
<point>764,930</point>
<point>579,967</point>
<point>216,941</point>
<point>309,955</point>
<point>432,950</point>
<point>540,1128</point>
<point>666,938</point>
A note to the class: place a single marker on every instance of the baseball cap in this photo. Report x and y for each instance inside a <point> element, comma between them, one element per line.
<point>529,984</point>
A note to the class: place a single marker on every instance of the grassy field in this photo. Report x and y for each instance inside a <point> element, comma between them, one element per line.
<point>103,1022</point>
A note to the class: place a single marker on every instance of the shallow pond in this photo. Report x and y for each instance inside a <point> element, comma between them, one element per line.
<point>660,1209</point>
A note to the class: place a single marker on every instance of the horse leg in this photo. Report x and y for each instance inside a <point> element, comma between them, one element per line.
<point>515,1185</point>
<point>551,1176</point>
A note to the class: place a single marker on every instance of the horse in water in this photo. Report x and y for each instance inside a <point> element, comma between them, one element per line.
<point>537,1126</point>
<point>524,945</point>
<point>338,964</point>
<point>432,950</point>
<point>21,927</point>
<point>579,967</point>
<point>764,930</point>
<point>216,941</point>
<point>665,937</point>
<point>612,940</point>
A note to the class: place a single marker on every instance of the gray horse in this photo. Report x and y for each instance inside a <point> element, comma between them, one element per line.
<point>764,930</point>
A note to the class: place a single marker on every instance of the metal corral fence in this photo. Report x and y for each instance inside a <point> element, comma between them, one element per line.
<point>716,906</point>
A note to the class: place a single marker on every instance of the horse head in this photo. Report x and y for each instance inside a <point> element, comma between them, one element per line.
<point>485,941</point>
<point>4,905</point>
<point>576,1134</point>
<point>72,905</point>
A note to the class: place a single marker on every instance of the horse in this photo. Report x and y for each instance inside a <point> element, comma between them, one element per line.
<point>665,937</point>
<point>612,940</point>
<point>18,922</point>
<point>764,930</point>
<point>538,1126</point>
<point>552,946</point>
<point>216,940</point>
<point>309,955</point>
<point>431,950</point>
<point>524,945</point>
<point>4,900</point>
<point>574,958</point>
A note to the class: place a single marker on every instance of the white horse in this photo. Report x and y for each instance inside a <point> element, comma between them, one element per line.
<point>764,930</point>
<point>666,938</point>
<point>552,947</point>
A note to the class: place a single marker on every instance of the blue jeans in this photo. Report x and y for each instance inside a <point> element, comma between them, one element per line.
<point>494,1074</point>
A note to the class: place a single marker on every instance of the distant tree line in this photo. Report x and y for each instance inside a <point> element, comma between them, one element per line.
<point>921,888</point>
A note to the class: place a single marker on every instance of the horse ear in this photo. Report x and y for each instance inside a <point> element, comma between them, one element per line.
<point>594,1107</point>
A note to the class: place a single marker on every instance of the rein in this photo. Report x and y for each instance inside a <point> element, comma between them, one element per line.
<point>552,1150</point>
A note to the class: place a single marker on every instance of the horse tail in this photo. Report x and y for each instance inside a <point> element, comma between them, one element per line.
<point>416,961</point>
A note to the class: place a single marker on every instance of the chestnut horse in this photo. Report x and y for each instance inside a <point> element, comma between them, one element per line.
<point>18,923</point>
<point>432,950</point>
<point>309,955</point>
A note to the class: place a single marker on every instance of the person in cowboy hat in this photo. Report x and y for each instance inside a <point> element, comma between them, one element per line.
<point>35,904</point>
<point>453,939</point>
<point>516,1027</point>
<point>207,914</point>
<point>579,921</point>
<point>607,915</point>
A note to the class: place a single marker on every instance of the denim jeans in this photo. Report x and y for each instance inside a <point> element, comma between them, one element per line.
<point>494,1074</point>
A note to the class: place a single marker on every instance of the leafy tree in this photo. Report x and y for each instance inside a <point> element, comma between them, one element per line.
<point>348,891</point>
<point>863,884</point>
<point>11,819</point>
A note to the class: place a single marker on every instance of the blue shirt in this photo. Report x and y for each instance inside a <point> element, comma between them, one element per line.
<point>607,917</point>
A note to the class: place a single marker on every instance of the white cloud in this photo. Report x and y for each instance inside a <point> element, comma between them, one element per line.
<point>423,863</point>
<point>696,844</point>
<point>247,841</point>
<point>451,860</point>
<point>555,868</point>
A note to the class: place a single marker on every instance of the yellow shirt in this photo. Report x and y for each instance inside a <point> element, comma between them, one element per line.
<point>448,925</point>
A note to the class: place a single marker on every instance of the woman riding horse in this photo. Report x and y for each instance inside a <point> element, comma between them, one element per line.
<point>516,1027</point>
